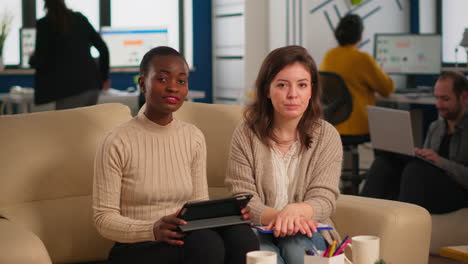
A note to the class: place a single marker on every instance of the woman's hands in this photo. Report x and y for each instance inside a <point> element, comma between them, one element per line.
<point>165,230</point>
<point>246,214</point>
<point>292,219</point>
<point>106,85</point>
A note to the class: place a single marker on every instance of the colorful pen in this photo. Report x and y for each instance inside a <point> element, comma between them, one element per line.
<point>341,244</point>
<point>325,254</point>
<point>315,250</point>
<point>332,249</point>
<point>342,248</point>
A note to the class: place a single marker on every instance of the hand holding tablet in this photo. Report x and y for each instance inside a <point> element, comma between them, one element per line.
<point>214,213</point>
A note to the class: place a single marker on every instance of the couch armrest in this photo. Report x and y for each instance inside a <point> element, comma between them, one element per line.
<point>404,229</point>
<point>18,245</point>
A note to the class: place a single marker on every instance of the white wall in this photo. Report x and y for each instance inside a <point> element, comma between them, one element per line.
<point>454,22</point>
<point>428,16</point>
<point>310,23</point>
<point>307,23</point>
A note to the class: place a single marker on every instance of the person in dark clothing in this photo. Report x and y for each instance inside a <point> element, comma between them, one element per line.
<point>65,70</point>
<point>440,187</point>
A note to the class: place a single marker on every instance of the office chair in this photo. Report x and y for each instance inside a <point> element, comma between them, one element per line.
<point>337,105</point>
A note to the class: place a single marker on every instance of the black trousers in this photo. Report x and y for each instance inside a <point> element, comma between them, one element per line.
<point>208,246</point>
<point>407,179</point>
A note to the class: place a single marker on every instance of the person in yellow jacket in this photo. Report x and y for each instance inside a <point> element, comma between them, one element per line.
<point>360,71</point>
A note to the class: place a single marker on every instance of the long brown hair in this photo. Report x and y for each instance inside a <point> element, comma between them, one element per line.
<point>259,114</point>
<point>58,15</point>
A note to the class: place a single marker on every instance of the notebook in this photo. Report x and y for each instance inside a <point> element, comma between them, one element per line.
<point>214,213</point>
<point>390,130</point>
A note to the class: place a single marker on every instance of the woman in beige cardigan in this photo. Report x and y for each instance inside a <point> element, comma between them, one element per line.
<point>287,157</point>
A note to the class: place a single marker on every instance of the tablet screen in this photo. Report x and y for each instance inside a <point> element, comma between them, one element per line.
<point>214,208</point>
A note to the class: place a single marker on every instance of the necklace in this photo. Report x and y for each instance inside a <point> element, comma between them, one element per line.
<point>282,142</point>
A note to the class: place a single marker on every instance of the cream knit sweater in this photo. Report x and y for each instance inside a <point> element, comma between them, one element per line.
<point>317,177</point>
<point>144,171</point>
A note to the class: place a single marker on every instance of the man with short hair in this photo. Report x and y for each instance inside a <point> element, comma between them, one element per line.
<point>440,187</point>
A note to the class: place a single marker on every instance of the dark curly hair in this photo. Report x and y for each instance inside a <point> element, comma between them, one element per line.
<point>158,51</point>
<point>349,30</point>
<point>460,83</point>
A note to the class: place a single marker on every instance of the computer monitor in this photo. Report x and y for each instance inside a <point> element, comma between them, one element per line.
<point>408,53</point>
<point>128,45</point>
<point>27,45</point>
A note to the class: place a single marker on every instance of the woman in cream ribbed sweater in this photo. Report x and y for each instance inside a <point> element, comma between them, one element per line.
<point>287,157</point>
<point>148,167</point>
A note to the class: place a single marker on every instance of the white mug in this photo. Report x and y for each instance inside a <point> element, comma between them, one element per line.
<point>261,257</point>
<point>366,249</point>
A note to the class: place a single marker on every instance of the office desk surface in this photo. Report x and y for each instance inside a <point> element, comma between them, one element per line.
<point>25,101</point>
<point>410,98</point>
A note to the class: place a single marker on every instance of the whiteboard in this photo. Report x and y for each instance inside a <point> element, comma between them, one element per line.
<point>408,53</point>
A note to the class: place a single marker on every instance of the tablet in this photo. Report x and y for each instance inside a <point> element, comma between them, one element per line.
<point>214,213</point>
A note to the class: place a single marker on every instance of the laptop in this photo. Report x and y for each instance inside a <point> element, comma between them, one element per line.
<point>391,130</point>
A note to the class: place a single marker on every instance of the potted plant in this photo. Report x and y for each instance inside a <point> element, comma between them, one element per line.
<point>5,21</point>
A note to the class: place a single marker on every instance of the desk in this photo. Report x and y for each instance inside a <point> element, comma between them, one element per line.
<point>427,99</point>
<point>25,102</point>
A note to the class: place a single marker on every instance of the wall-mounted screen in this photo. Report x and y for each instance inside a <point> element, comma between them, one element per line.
<point>27,45</point>
<point>128,45</point>
<point>408,53</point>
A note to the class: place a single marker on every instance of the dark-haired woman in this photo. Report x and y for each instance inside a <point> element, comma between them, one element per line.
<point>65,70</point>
<point>287,157</point>
<point>148,167</point>
<point>360,72</point>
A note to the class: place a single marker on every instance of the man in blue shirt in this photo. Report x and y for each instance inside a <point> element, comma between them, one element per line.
<point>442,188</point>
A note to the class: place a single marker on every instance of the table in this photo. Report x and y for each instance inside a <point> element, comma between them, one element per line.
<point>412,98</point>
<point>25,101</point>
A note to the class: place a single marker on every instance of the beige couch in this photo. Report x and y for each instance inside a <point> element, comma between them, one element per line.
<point>46,168</point>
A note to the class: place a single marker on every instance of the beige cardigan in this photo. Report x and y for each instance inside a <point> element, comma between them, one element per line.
<point>316,183</point>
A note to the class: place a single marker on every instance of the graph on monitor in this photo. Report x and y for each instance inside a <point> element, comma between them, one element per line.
<point>408,53</point>
<point>128,45</point>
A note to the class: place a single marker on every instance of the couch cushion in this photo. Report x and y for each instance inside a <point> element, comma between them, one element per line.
<point>50,155</point>
<point>46,164</point>
<point>449,230</point>
<point>65,226</point>
<point>217,122</point>
<point>19,245</point>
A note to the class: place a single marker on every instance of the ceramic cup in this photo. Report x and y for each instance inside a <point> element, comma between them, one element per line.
<point>365,249</point>
<point>261,257</point>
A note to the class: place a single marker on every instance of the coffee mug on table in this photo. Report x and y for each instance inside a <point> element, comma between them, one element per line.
<point>261,257</point>
<point>366,249</point>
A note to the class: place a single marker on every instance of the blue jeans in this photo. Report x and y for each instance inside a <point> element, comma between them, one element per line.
<point>290,249</point>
